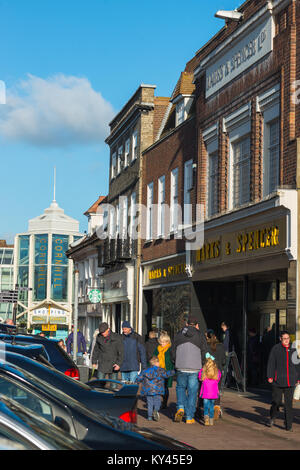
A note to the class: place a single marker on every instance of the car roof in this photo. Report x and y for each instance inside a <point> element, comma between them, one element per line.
<point>28,350</point>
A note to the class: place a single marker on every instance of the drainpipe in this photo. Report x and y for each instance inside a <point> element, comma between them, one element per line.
<point>75,314</point>
<point>245,311</point>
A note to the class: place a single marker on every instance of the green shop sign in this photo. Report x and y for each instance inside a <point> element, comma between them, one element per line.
<point>95,296</point>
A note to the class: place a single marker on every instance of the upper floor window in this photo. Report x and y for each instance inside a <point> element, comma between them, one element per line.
<point>113,165</point>
<point>213,183</point>
<point>188,186</point>
<point>161,207</point>
<point>241,171</point>
<point>174,207</point>
<point>126,153</point>
<point>134,145</point>
<point>149,233</point>
<point>179,112</point>
<point>120,158</point>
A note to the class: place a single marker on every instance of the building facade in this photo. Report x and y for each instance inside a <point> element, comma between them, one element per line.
<point>40,263</point>
<point>131,131</point>
<point>245,157</point>
<point>6,277</point>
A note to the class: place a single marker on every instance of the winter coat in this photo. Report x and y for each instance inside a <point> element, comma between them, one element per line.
<point>134,353</point>
<point>107,352</point>
<point>81,344</point>
<point>151,345</point>
<point>209,388</point>
<point>218,354</point>
<point>282,366</point>
<point>228,341</point>
<point>188,349</point>
<point>153,380</point>
<point>168,364</point>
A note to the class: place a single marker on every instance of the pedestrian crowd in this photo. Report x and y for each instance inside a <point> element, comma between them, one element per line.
<point>198,360</point>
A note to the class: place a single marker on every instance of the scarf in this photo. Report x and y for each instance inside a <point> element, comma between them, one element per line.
<point>161,354</point>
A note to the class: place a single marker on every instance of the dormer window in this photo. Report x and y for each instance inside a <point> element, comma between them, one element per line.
<point>113,165</point>
<point>183,105</point>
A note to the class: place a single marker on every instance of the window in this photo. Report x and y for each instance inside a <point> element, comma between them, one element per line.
<point>149,211</point>
<point>123,216</point>
<point>113,165</point>
<point>241,172</point>
<point>127,150</point>
<point>120,159</point>
<point>179,112</point>
<point>268,104</point>
<point>188,185</point>
<point>213,183</point>
<point>134,145</point>
<point>161,207</point>
<point>271,160</point>
<point>133,215</point>
<point>174,201</point>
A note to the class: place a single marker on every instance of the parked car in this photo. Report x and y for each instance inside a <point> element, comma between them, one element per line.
<point>120,402</point>
<point>55,354</point>
<point>97,431</point>
<point>5,328</point>
<point>21,430</point>
<point>33,351</point>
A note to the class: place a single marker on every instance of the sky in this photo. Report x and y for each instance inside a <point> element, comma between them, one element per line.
<point>68,66</point>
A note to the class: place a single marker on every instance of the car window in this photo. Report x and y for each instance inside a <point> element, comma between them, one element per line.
<point>26,398</point>
<point>9,439</point>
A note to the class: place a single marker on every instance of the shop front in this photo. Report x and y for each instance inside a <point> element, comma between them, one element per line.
<point>166,294</point>
<point>117,304</point>
<point>245,275</point>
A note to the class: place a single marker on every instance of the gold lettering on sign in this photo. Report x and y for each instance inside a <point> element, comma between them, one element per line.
<point>208,251</point>
<point>249,241</point>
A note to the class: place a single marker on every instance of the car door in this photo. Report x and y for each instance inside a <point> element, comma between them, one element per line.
<point>36,401</point>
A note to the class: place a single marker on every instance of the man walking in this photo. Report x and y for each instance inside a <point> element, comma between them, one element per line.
<point>81,343</point>
<point>283,373</point>
<point>134,353</point>
<point>188,353</point>
<point>108,353</point>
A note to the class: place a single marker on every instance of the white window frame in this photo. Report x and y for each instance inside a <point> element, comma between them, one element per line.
<point>241,171</point>
<point>134,149</point>
<point>123,202</point>
<point>113,165</point>
<point>213,183</point>
<point>238,127</point>
<point>133,214</point>
<point>126,152</point>
<point>188,186</point>
<point>268,103</point>
<point>180,112</point>
<point>161,206</point>
<point>174,206</point>
<point>150,218</point>
<point>120,155</point>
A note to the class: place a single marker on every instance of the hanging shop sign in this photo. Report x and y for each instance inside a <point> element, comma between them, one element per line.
<point>95,296</point>
<point>171,270</point>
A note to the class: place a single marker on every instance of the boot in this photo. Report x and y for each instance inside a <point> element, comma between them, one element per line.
<point>206,421</point>
<point>217,411</point>
<point>211,421</point>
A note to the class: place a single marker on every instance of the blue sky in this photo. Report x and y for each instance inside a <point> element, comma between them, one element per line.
<point>68,67</point>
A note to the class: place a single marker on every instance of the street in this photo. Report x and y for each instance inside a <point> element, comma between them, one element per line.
<point>242,427</point>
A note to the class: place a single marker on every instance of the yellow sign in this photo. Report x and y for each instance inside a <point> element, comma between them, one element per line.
<point>49,327</point>
<point>169,271</point>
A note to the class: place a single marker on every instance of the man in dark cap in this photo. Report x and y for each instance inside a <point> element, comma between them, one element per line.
<point>108,353</point>
<point>134,353</point>
<point>188,353</point>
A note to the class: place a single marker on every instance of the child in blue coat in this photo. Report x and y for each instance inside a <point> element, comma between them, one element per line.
<point>153,386</point>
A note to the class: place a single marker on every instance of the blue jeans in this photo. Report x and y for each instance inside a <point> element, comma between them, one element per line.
<point>129,376</point>
<point>153,403</point>
<point>187,391</point>
<point>208,407</point>
<point>112,376</point>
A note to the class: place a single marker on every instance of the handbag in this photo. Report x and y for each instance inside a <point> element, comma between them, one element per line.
<point>297,392</point>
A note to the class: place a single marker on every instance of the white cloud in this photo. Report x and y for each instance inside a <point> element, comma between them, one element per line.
<point>56,112</point>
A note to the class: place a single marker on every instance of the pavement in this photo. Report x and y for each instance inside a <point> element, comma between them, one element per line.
<point>243,425</point>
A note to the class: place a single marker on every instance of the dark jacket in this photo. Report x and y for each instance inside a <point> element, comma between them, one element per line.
<point>228,341</point>
<point>107,352</point>
<point>151,345</point>
<point>134,353</point>
<point>153,380</point>
<point>218,354</point>
<point>188,349</point>
<point>81,344</point>
<point>283,366</point>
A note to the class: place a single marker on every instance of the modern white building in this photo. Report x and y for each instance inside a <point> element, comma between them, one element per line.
<point>6,276</point>
<point>40,263</point>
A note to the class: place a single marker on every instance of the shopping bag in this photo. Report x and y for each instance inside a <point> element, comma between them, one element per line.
<point>297,392</point>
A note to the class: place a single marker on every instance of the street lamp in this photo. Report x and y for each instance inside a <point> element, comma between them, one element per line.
<point>229,15</point>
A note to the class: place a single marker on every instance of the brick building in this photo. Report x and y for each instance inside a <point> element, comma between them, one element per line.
<point>132,130</point>
<point>244,151</point>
